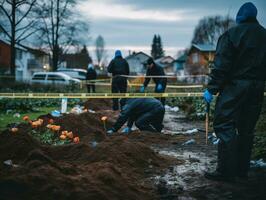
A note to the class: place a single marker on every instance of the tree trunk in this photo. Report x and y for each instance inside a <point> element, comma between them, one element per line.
<point>55,57</point>
<point>13,42</point>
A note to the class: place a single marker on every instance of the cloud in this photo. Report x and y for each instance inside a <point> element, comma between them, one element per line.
<point>110,9</point>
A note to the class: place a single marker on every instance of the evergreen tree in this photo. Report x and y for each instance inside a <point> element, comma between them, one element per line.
<point>156,48</point>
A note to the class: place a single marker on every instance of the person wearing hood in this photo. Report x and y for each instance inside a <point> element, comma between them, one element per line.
<point>117,67</point>
<point>91,75</point>
<point>146,113</point>
<point>238,77</point>
<point>160,83</point>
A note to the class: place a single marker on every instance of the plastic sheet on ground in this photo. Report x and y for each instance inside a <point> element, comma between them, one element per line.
<point>257,163</point>
<point>173,109</point>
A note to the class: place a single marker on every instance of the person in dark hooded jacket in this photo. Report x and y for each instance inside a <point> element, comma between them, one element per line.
<point>160,82</point>
<point>90,76</point>
<point>117,67</point>
<point>146,113</point>
<point>238,77</point>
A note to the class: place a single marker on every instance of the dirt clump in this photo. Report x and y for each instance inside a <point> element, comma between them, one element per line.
<point>98,104</point>
<point>113,169</point>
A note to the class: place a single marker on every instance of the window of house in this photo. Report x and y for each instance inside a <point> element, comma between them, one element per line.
<point>195,58</point>
<point>18,54</point>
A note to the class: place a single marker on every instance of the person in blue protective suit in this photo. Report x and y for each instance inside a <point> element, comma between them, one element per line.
<point>117,67</point>
<point>238,77</point>
<point>146,113</point>
<point>160,82</point>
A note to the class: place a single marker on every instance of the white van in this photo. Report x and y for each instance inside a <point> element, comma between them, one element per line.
<point>74,73</point>
<point>53,78</point>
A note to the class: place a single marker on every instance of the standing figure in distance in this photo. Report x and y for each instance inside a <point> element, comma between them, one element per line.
<point>117,67</point>
<point>160,82</point>
<point>91,75</point>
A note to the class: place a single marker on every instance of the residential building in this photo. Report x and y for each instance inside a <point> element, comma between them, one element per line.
<point>167,63</point>
<point>200,56</point>
<point>137,63</point>
<point>179,66</point>
<point>28,61</point>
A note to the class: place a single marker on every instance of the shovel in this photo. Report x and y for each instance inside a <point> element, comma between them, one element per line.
<point>207,121</point>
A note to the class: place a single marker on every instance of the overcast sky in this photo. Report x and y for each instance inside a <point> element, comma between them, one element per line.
<point>131,24</point>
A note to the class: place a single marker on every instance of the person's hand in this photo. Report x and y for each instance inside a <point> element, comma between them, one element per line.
<point>126,130</point>
<point>110,131</point>
<point>142,89</point>
<point>207,96</point>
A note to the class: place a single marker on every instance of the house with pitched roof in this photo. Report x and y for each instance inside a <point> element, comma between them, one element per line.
<point>137,63</point>
<point>199,58</point>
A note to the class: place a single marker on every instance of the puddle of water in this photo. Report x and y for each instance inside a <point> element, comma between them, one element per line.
<point>187,175</point>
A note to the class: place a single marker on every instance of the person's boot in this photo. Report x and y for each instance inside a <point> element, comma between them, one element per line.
<point>226,163</point>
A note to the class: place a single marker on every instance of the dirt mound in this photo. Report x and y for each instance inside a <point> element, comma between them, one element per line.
<point>115,168</point>
<point>88,126</point>
<point>16,145</point>
<point>98,104</point>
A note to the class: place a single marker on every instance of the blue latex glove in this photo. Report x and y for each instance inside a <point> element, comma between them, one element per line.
<point>207,96</point>
<point>142,89</point>
<point>159,87</point>
<point>110,131</point>
<point>126,130</point>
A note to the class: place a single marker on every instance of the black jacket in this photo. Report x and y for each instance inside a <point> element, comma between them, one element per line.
<point>134,108</point>
<point>155,71</point>
<point>91,74</point>
<point>118,66</point>
<point>240,55</point>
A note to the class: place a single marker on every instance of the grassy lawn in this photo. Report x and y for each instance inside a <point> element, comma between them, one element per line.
<point>6,119</point>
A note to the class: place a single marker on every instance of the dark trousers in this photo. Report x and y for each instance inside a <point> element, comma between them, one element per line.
<point>91,88</point>
<point>151,121</point>
<point>162,99</point>
<point>119,85</point>
<point>236,113</point>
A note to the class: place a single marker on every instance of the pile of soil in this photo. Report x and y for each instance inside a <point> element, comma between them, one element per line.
<point>88,126</point>
<point>117,168</point>
<point>98,104</point>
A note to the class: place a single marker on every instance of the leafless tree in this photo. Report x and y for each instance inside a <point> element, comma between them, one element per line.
<point>210,28</point>
<point>100,49</point>
<point>61,27</point>
<point>16,24</point>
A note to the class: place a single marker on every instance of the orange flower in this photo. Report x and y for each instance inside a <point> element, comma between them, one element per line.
<point>14,130</point>
<point>76,140</point>
<point>104,118</point>
<point>26,118</point>
<point>50,121</point>
<point>62,137</point>
<point>64,133</point>
<point>49,126</point>
<point>69,135</point>
<point>55,128</point>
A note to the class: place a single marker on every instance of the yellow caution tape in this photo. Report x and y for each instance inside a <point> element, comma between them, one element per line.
<point>96,95</point>
<point>150,85</point>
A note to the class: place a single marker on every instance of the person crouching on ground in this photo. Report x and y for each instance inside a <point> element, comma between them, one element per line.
<point>146,113</point>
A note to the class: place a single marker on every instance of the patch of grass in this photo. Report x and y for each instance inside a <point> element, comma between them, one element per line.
<point>6,119</point>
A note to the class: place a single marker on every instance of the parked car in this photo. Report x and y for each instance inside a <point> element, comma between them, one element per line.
<point>53,78</point>
<point>74,73</point>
